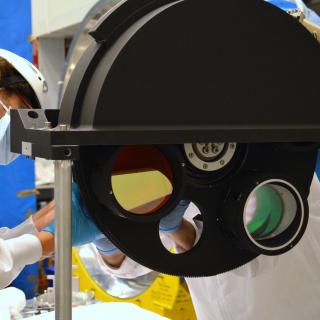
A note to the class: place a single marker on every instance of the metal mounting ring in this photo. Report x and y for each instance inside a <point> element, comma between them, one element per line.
<point>210,156</point>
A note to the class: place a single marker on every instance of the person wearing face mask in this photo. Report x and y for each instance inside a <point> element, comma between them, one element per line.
<point>21,245</point>
<point>6,156</point>
<point>25,89</point>
<point>22,86</point>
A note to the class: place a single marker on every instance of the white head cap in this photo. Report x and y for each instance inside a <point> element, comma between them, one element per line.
<point>29,73</point>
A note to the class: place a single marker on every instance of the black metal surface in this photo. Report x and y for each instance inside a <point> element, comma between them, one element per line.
<point>82,39</point>
<point>191,71</point>
<point>218,250</point>
<point>39,139</point>
<point>126,13</point>
<point>168,73</point>
<point>192,77</point>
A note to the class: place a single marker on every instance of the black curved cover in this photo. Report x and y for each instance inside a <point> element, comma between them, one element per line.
<point>197,69</point>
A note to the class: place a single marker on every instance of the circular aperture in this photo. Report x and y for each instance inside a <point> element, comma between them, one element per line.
<point>270,211</point>
<point>142,179</point>
<point>184,224</point>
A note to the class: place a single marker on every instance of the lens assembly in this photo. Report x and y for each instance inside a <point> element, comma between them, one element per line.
<point>269,211</point>
<point>273,215</point>
<point>261,208</point>
<point>139,182</point>
<point>269,217</point>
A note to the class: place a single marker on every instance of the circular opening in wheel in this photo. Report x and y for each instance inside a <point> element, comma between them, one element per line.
<point>273,214</point>
<point>142,179</point>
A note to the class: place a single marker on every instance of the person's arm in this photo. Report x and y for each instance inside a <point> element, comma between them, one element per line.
<point>32,225</point>
<point>15,254</point>
<point>178,229</point>
<point>184,237</point>
<point>115,260</point>
<point>47,243</point>
<point>110,254</point>
<point>84,230</point>
<point>44,216</point>
<point>18,251</point>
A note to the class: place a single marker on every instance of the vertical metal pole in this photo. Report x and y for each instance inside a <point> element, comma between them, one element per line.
<point>63,245</point>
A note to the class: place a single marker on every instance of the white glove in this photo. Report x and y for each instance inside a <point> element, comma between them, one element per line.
<point>15,254</point>
<point>26,227</point>
<point>12,301</point>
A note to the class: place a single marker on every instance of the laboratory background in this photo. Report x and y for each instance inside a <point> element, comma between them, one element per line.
<point>116,204</point>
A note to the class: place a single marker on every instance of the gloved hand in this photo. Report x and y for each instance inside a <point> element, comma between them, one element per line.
<point>172,222</point>
<point>84,229</point>
<point>106,247</point>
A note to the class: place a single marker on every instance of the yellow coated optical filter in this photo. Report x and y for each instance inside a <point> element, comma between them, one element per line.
<point>142,179</point>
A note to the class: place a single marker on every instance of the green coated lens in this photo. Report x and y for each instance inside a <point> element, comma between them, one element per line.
<point>263,212</point>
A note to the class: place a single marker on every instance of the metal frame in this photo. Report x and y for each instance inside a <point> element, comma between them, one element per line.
<point>63,240</point>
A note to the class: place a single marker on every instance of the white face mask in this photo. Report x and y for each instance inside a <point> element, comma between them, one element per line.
<point>6,156</point>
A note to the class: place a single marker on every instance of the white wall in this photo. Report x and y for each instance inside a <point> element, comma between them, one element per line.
<point>51,64</point>
<point>52,22</point>
<point>51,16</point>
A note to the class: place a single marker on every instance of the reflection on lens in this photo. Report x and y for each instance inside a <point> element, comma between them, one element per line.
<point>269,210</point>
<point>112,285</point>
<point>141,179</point>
